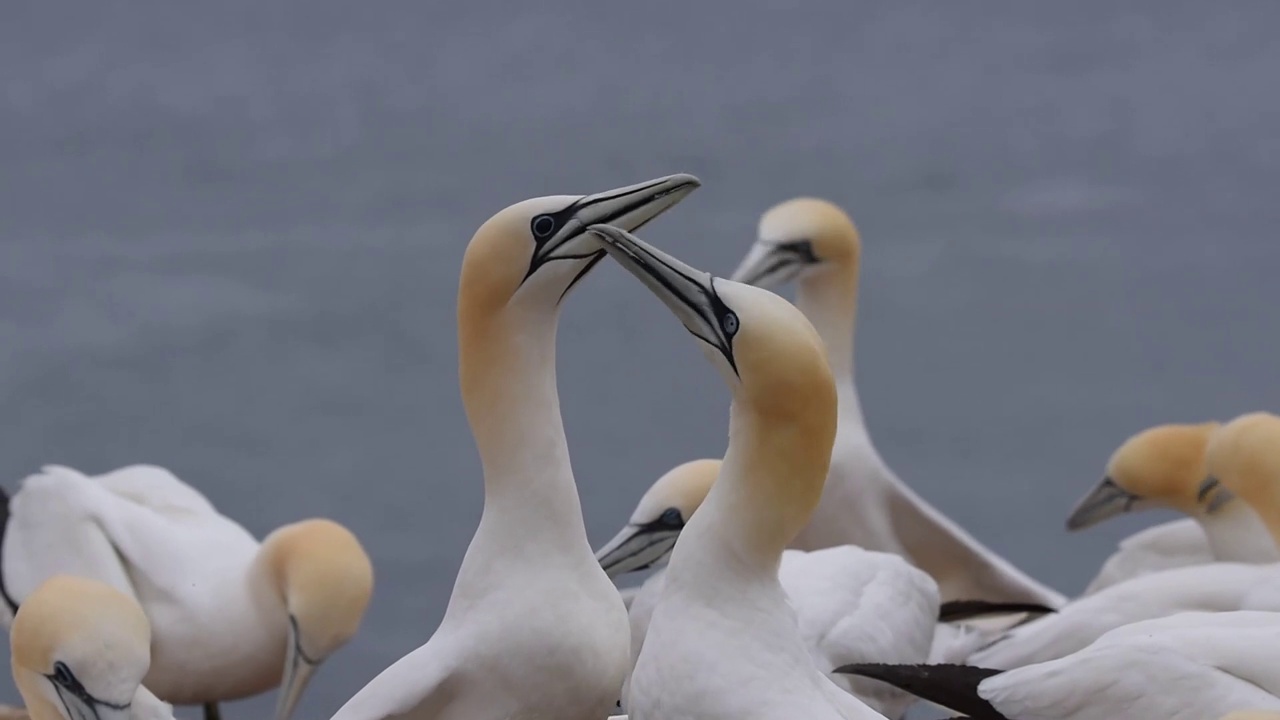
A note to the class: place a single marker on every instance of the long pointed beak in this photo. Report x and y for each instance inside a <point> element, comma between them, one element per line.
<point>688,292</point>
<point>768,265</point>
<point>629,207</point>
<point>298,669</point>
<point>636,547</point>
<point>1105,500</point>
<point>82,706</point>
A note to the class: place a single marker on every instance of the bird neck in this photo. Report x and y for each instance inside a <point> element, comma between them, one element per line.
<point>1237,534</point>
<point>769,484</point>
<point>828,297</point>
<point>39,705</point>
<point>507,374</point>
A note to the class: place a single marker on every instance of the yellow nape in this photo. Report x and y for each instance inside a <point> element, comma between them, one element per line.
<point>1244,456</point>
<point>325,579</point>
<point>1164,464</point>
<point>1252,715</point>
<point>828,229</point>
<point>683,487</point>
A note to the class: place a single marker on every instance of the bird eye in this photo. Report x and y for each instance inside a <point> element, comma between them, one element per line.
<point>543,226</point>
<point>672,517</point>
<point>729,323</point>
<point>61,674</point>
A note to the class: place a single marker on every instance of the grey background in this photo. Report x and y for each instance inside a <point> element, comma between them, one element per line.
<point>230,236</point>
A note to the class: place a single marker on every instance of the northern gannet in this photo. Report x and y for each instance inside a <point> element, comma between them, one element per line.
<point>853,605</point>
<point>723,642</point>
<point>1185,667</point>
<point>80,650</point>
<point>815,243</point>
<point>1242,460</point>
<point>230,617</point>
<point>496,654</point>
<point>1164,467</point>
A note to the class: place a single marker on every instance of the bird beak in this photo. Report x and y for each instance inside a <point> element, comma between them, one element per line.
<point>637,547</point>
<point>689,293</point>
<point>83,706</point>
<point>298,669</point>
<point>768,265</point>
<point>628,207</point>
<point>1105,500</point>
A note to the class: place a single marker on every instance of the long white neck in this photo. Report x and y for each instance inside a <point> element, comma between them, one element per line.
<point>829,299</point>
<point>768,485</point>
<point>1236,534</point>
<point>508,379</point>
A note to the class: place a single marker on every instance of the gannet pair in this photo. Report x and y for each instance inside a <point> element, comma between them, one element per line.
<point>1120,653</point>
<point>534,629</point>
<point>80,651</point>
<point>852,605</point>
<point>1164,467</point>
<point>1230,479</point>
<point>814,243</point>
<point>723,640</point>
<point>229,617</point>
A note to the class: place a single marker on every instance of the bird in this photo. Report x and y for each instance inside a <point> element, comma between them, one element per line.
<point>815,243</point>
<point>853,605</point>
<point>1164,467</point>
<point>1242,460</point>
<point>1184,667</point>
<point>495,654</point>
<point>80,649</point>
<point>230,616</point>
<point>723,641</point>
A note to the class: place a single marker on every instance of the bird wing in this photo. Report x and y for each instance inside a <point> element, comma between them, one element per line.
<point>421,684</point>
<point>1217,587</point>
<point>156,488</point>
<point>1177,543</point>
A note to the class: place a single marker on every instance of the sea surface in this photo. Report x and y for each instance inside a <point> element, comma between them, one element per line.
<point>230,235</point>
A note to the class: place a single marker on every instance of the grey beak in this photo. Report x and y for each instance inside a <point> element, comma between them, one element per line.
<point>1105,500</point>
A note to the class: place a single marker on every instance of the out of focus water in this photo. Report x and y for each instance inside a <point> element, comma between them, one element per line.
<point>230,235</point>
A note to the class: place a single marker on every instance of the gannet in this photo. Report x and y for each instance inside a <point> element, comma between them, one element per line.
<point>1252,714</point>
<point>230,617</point>
<point>1188,666</point>
<point>1163,467</point>
<point>1242,460</point>
<point>853,605</point>
<point>723,642</point>
<point>815,243</point>
<point>496,655</point>
<point>80,650</point>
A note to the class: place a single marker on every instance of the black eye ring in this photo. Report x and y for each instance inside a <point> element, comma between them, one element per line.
<point>671,517</point>
<point>729,323</point>
<point>62,674</point>
<point>543,226</point>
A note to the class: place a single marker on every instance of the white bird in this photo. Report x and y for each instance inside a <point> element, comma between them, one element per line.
<point>230,617</point>
<point>80,650</point>
<point>815,243</point>
<point>853,605</point>
<point>1164,467</point>
<point>534,628</point>
<point>1189,666</point>
<point>723,642</point>
<point>1242,461</point>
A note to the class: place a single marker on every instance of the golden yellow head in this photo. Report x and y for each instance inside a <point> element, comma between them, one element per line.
<point>1244,458</point>
<point>81,645</point>
<point>1162,466</point>
<point>682,489</point>
<point>1252,715</point>
<point>325,581</point>
<point>538,249</point>
<point>647,539</point>
<point>771,356</point>
<point>798,238</point>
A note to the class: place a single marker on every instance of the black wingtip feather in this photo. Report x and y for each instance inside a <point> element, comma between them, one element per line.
<point>954,687</point>
<point>4,526</point>
<point>957,610</point>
